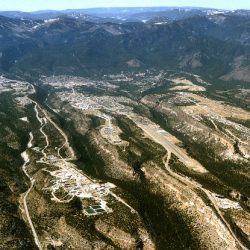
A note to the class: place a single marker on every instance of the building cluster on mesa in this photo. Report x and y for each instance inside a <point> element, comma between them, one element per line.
<point>68,183</point>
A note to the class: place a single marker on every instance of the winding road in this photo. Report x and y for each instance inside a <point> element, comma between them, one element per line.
<point>26,159</point>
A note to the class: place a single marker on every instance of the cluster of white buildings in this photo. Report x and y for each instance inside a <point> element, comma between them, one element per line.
<point>226,203</point>
<point>86,102</point>
<point>18,87</point>
<point>73,183</point>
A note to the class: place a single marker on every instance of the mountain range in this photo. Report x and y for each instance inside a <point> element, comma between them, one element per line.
<point>210,42</point>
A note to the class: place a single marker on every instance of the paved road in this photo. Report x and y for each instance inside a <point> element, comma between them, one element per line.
<point>162,137</point>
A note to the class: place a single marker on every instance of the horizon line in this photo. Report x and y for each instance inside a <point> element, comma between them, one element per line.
<point>124,7</point>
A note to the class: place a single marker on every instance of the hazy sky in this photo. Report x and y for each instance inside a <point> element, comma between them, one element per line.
<point>30,5</point>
